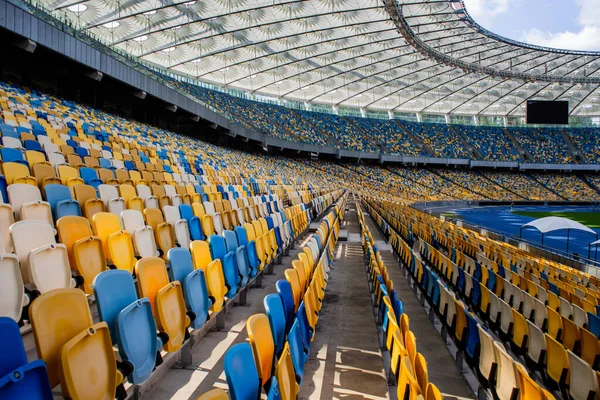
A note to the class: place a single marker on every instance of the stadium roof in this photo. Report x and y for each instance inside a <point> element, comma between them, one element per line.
<point>404,55</point>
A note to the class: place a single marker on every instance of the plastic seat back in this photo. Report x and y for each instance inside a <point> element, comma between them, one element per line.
<point>284,290</point>
<point>19,379</point>
<point>61,202</point>
<point>557,367</point>
<point>507,380</point>
<point>114,290</point>
<point>583,384</point>
<point>263,347</point>
<point>89,353</point>
<point>216,284</point>
<point>57,317</point>
<point>11,287</point>
<point>201,254</point>
<point>241,372</point>
<point>276,315</point>
<point>49,268</point>
<point>285,374</point>
<point>27,236</point>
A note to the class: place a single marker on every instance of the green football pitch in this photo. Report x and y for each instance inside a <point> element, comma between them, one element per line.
<point>591,219</point>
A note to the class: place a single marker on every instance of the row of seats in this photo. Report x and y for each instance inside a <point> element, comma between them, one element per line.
<point>280,339</point>
<point>546,332</point>
<point>407,366</point>
<point>117,241</point>
<point>145,318</point>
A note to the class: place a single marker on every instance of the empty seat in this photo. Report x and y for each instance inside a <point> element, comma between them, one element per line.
<point>144,241</point>
<point>129,320</point>
<point>195,290</point>
<point>276,315</point>
<point>180,226</point>
<point>28,236</point>
<point>86,255</point>
<point>11,287</point>
<point>507,381</point>
<point>61,201</point>
<point>112,202</point>
<point>18,378</point>
<point>118,247</point>
<point>166,299</point>
<point>583,382</point>
<point>241,372</point>
<point>263,347</point>
<point>285,374</point>
<point>72,346</point>
<point>557,364</point>
<point>231,274</point>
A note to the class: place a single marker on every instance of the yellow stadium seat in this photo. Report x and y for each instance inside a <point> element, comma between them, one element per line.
<point>410,343</point>
<point>216,285</point>
<point>286,377</point>
<point>17,173</point>
<point>557,362</point>
<point>166,299</point>
<point>292,277</point>
<point>433,393</point>
<point>88,354</point>
<point>88,200</point>
<point>85,250</point>
<point>201,257</point>
<point>421,374</point>
<point>163,232</point>
<point>56,317</point>
<point>408,387</point>
<point>263,347</point>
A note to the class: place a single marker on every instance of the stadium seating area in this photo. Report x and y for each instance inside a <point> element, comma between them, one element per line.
<point>367,134</point>
<point>491,142</point>
<point>588,141</point>
<point>164,232</point>
<point>527,327</point>
<point>569,187</point>
<point>545,145</point>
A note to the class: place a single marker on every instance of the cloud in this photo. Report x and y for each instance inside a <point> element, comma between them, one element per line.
<point>586,38</point>
<point>486,11</point>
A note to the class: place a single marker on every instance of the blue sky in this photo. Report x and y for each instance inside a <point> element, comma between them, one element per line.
<point>567,24</point>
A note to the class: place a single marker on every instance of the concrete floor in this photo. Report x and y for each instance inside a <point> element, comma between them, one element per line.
<point>345,361</point>
<point>441,366</point>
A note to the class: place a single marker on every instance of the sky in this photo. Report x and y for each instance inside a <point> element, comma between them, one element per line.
<point>565,24</point>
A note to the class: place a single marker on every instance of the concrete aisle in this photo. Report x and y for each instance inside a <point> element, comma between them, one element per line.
<point>441,366</point>
<point>345,361</point>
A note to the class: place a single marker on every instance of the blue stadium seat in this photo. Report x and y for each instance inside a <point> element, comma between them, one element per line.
<point>13,155</point>
<point>253,260</point>
<point>218,251</point>
<point>241,258</point>
<point>241,373</point>
<point>284,290</point>
<point>194,224</point>
<point>130,322</point>
<point>276,315</point>
<point>18,378</point>
<point>90,177</point>
<point>32,145</point>
<point>299,352</point>
<point>61,202</point>
<point>193,283</point>
<point>594,324</point>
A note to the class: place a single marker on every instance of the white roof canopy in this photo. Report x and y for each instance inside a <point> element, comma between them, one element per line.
<point>550,224</point>
<point>344,53</point>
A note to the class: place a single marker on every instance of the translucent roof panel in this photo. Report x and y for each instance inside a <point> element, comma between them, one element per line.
<point>404,55</point>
